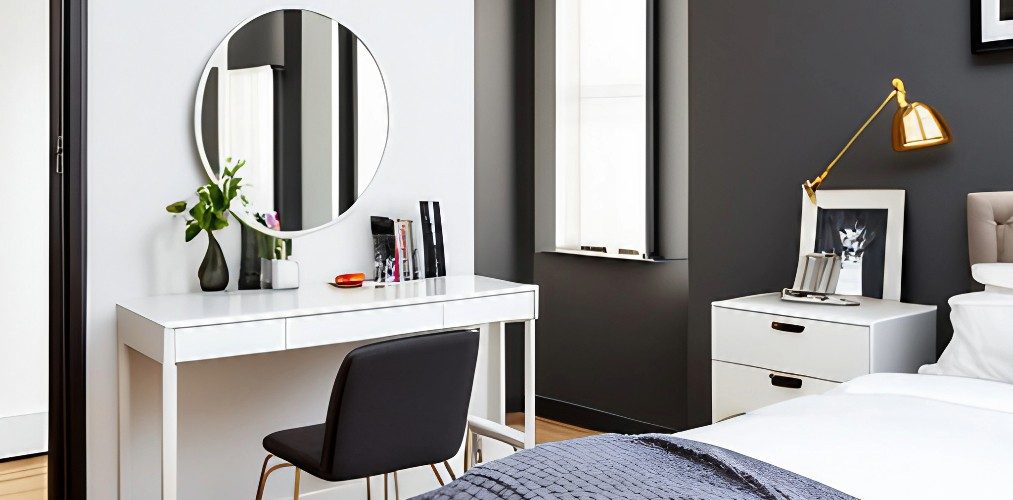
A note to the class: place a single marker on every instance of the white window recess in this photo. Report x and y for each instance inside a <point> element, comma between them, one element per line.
<point>596,165</point>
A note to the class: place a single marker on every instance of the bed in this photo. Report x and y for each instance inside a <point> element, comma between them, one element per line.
<point>944,433</point>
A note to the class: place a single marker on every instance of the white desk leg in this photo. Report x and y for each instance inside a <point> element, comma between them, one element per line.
<point>169,417</point>
<point>529,384</point>
<point>123,383</point>
<point>496,373</point>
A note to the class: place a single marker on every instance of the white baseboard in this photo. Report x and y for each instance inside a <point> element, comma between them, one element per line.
<point>24,434</point>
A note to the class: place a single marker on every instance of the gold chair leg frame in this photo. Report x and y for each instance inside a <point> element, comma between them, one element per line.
<point>450,471</point>
<point>295,491</point>
<point>266,473</point>
<point>385,487</point>
<point>397,488</point>
<point>369,490</point>
<point>439,478</point>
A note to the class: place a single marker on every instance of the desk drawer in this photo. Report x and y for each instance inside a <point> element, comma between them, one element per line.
<point>740,389</point>
<point>307,331</point>
<point>512,307</point>
<point>234,339</point>
<point>831,351</point>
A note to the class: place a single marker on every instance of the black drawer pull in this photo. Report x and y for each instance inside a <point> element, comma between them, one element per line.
<point>787,327</point>
<point>782,381</point>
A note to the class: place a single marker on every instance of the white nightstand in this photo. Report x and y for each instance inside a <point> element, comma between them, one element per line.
<point>765,350</point>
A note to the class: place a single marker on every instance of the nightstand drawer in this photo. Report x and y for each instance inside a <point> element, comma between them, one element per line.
<point>830,351</point>
<point>739,389</point>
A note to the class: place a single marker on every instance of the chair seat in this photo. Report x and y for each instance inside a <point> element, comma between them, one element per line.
<point>301,447</point>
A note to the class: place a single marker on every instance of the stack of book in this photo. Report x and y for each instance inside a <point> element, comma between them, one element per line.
<point>396,246</point>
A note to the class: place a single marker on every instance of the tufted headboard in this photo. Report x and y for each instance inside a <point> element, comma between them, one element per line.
<point>990,227</point>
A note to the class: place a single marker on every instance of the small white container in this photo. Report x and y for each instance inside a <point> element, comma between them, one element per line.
<point>284,274</point>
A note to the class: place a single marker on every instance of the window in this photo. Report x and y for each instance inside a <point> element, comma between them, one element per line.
<point>603,123</point>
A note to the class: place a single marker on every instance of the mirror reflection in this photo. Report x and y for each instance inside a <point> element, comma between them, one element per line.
<point>300,98</point>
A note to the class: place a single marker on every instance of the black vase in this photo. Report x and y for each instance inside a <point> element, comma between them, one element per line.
<point>249,261</point>
<point>213,272</point>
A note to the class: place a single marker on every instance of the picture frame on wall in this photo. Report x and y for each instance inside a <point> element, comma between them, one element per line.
<point>866,228</point>
<point>991,25</point>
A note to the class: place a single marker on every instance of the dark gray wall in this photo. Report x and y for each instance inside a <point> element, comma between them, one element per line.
<point>504,151</point>
<point>612,334</point>
<point>777,87</point>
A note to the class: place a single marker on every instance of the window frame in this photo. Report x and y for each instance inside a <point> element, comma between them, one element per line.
<point>559,235</point>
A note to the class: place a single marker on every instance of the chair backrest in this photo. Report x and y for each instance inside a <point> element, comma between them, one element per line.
<point>400,403</point>
<point>990,227</point>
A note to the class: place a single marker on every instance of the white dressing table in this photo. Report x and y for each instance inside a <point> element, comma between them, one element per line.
<point>174,329</point>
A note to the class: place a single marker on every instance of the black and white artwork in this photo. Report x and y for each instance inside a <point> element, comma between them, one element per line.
<point>858,235</point>
<point>866,228</point>
<point>991,25</point>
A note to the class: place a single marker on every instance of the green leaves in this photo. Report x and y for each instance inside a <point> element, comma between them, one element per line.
<point>211,211</point>
<point>192,230</point>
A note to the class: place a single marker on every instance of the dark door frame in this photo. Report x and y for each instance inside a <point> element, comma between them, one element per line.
<point>67,246</point>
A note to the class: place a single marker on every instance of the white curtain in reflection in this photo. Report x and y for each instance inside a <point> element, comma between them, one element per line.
<point>246,130</point>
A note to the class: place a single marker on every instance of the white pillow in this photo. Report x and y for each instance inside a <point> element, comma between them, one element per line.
<point>982,344</point>
<point>994,275</point>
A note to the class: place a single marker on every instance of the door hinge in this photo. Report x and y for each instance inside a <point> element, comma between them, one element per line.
<point>59,154</point>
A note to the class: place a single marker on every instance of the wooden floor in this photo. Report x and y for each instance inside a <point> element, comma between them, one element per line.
<point>547,430</point>
<point>24,479</point>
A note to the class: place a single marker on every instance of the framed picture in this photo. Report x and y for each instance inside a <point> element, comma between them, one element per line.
<point>991,25</point>
<point>866,228</point>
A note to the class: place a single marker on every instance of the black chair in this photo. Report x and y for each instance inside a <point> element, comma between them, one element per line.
<point>395,404</point>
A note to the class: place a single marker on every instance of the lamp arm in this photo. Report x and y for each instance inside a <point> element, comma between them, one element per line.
<point>819,180</point>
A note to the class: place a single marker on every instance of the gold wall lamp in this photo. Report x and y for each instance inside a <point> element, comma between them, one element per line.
<point>915,126</point>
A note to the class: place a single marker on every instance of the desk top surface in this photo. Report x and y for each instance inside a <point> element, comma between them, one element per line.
<point>199,309</point>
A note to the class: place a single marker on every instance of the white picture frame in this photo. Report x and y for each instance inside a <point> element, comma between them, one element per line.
<point>891,200</point>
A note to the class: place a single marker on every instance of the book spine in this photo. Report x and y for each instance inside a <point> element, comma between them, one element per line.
<point>413,272</point>
<point>404,249</point>
<point>428,250</point>
<point>441,263</point>
<point>384,251</point>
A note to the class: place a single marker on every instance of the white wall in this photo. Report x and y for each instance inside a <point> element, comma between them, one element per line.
<point>24,190</point>
<point>144,59</point>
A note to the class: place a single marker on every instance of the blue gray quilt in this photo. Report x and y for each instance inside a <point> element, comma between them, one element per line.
<point>636,467</point>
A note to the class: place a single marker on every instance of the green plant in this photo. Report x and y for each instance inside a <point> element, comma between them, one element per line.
<point>211,210</point>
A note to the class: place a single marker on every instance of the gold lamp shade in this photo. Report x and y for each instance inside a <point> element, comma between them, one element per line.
<point>915,126</point>
<point>918,126</point>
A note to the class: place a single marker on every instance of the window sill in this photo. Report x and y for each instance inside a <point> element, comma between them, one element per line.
<point>601,255</point>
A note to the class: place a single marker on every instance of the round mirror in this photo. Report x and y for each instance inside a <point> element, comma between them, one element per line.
<point>300,99</point>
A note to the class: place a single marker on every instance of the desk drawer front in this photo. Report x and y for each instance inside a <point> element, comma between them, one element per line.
<point>830,351</point>
<point>512,307</point>
<point>307,331</point>
<point>740,389</point>
<point>234,339</point>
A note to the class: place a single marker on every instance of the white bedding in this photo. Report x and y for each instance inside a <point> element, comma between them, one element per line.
<point>886,436</point>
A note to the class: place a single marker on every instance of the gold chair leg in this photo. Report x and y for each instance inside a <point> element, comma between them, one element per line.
<point>369,491</point>
<point>260,483</point>
<point>437,473</point>
<point>397,488</point>
<point>263,479</point>
<point>295,491</point>
<point>385,487</point>
<point>450,471</point>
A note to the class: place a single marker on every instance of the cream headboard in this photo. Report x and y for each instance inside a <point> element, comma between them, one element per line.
<point>990,227</point>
